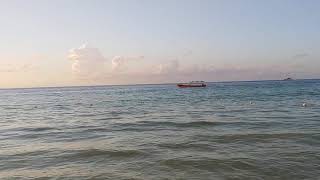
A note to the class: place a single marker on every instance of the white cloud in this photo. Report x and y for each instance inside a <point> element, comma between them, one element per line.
<point>120,63</point>
<point>89,65</point>
<point>87,62</point>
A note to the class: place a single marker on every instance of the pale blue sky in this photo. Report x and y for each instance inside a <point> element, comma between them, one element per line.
<point>235,33</point>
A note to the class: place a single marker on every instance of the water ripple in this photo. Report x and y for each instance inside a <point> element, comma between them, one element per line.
<point>232,130</point>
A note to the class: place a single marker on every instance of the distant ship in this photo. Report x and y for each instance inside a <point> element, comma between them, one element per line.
<point>288,79</point>
<point>192,84</point>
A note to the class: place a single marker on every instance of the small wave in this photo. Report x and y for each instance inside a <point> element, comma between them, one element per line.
<point>201,123</point>
<point>107,118</point>
<point>11,108</point>
<point>87,115</point>
<point>173,124</point>
<point>110,153</point>
<point>62,107</point>
<point>39,129</point>
<point>32,129</point>
<point>279,117</point>
<point>210,164</point>
<point>31,153</point>
<point>186,145</point>
<point>97,129</point>
<point>254,137</point>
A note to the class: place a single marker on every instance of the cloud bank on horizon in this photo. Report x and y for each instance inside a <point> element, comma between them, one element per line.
<point>90,65</point>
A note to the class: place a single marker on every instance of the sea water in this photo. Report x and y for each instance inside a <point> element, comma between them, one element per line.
<point>229,130</point>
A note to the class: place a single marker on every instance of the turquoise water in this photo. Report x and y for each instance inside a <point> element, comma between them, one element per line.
<point>233,130</point>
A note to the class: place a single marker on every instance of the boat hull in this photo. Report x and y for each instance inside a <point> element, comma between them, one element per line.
<point>190,85</point>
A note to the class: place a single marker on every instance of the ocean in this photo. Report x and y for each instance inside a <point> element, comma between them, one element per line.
<point>228,130</point>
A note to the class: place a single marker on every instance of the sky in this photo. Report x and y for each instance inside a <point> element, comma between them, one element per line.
<point>101,42</point>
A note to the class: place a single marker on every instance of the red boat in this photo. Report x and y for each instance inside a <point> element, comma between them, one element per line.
<point>192,84</point>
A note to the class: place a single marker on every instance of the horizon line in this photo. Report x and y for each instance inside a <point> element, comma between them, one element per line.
<point>141,84</point>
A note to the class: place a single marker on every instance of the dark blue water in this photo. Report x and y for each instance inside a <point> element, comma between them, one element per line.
<point>235,130</point>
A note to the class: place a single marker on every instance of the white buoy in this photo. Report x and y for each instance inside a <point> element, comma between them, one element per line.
<point>304,104</point>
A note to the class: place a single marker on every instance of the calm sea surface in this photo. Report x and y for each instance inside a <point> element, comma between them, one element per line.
<point>235,130</point>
